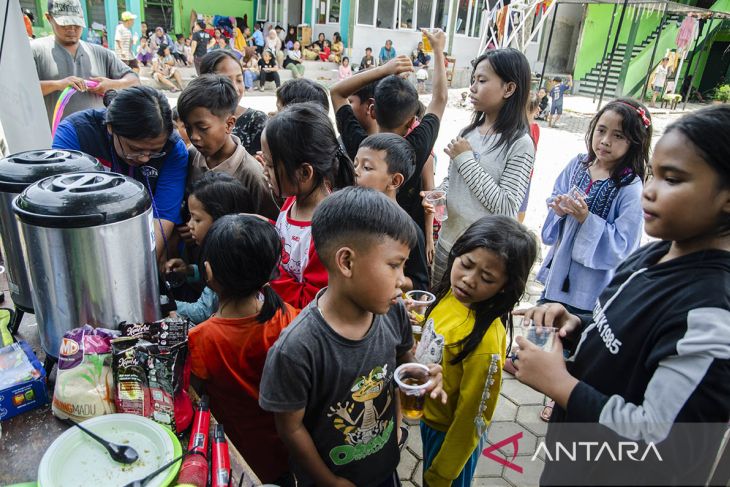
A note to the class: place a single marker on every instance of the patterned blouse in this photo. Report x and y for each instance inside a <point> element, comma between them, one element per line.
<point>249,127</point>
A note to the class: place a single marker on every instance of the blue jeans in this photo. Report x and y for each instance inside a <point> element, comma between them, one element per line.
<point>433,439</point>
<point>248,78</point>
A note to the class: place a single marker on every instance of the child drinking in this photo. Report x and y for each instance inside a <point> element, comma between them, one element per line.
<point>329,378</point>
<point>492,158</point>
<point>654,353</point>
<point>465,332</point>
<point>303,162</point>
<point>211,197</point>
<point>228,351</point>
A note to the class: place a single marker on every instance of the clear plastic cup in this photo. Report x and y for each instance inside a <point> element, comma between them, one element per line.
<point>421,300</point>
<point>438,200</point>
<point>542,336</point>
<point>412,380</point>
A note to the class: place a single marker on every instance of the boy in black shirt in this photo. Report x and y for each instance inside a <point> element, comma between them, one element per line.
<point>199,45</point>
<point>396,102</point>
<point>329,377</point>
<point>383,163</point>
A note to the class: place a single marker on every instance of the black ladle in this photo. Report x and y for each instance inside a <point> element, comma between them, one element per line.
<point>119,453</point>
<point>143,482</point>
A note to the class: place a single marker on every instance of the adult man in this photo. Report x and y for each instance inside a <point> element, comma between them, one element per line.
<point>65,60</point>
<point>199,45</point>
<point>123,41</point>
<point>660,78</point>
<point>161,37</point>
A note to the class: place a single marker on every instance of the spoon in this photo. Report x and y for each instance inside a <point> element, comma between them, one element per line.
<point>119,453</point>
<point>143,482</point>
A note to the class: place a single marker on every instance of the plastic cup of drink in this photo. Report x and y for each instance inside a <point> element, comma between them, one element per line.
<point>417,332</point>
<point>421,300</point>
<point>412,380</point>
<point>438,200</point>
<point>542,336</point>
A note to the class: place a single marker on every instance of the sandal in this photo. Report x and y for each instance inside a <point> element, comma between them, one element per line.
<point>509,366</point>
<point>547,411</point>
<point>403,437</point>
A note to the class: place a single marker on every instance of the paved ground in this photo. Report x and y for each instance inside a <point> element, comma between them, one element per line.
<point>519,406</point>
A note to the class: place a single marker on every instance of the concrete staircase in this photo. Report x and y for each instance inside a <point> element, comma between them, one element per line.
<point>592,80</point>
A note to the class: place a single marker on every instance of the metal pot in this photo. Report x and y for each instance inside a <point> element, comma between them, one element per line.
<point>90,246</point>
<point>17,172</point>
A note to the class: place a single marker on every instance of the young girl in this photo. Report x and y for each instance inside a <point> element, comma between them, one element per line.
<point>215,194</point>
<point>532,110</point>
<point>655,352</point>
<point>486,274</point>
<point>164,70</point>
<point>345,71</point>
<point>303,162</point>
<point>228,351</point>
<point>492,159</point>
<point>592,234</point>
<point>326,50</point>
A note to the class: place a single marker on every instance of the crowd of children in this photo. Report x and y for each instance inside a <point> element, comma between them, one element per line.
<point>300,244</point>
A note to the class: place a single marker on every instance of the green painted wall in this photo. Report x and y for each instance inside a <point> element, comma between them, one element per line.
<point>595,31</point>
<point>639,65</point>
<point>233,8</point>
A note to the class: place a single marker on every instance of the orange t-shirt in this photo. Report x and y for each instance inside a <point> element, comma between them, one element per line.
<point>229,355</point>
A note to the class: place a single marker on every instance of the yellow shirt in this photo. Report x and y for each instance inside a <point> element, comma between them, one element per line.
<point>472,385</point>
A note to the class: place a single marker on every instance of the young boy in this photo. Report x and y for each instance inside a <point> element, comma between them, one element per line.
<point>383,163</point>
<point>206,108</point>
<point>396,102</point>
<point>556,94</point>
<point>301,90</point>
<point>368,61</point>
<point>329,378</point>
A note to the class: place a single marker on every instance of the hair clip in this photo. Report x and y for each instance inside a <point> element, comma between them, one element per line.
<point>645,120</point>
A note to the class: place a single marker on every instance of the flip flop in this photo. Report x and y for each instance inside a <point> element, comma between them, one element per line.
<point>403,437</point>
<point>547,411</point>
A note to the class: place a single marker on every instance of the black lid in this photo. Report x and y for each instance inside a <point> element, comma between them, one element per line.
<point>82,199</point>
<point>20,170</point>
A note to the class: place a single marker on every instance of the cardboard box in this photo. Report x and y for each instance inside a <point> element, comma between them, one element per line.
<point>26,395</point>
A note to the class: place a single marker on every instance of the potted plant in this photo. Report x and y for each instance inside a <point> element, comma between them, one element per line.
<point>722,93</point>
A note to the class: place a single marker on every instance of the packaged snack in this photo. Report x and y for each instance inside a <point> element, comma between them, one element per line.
<point>130,376</point>
<point>84,382</point>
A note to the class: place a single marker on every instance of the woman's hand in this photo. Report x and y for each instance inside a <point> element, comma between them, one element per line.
<point>576,207</point>
<point>554,205</point>
<point>435,388</point>
<point>553,315</point>
<point>427,207</point>
<point>457,146</point>
<point>185,233</point>
<point>176,265</point>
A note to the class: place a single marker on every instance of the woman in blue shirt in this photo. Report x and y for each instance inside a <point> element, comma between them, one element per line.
<point>134,136</point>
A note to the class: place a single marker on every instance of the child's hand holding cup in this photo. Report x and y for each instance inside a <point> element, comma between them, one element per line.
<point>414,382</point>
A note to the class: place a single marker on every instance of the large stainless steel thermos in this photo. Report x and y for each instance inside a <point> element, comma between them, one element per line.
<point>17,172</point>
<point>90,247</point>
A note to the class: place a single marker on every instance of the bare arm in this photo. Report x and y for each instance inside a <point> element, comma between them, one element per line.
<point>193,45</point>
<point>340,91</point>
<point>301,446</point>
<point>440,90</point>
<point>428,184</point>
<point>167,227</point>
<point>53,85</point>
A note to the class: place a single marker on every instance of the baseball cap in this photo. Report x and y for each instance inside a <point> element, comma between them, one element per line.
<point>66,12</point>
<point>128,16</point>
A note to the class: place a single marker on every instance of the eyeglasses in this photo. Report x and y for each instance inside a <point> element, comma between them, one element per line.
<point>135,156</point>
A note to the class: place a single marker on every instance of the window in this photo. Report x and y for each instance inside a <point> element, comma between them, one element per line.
<point>386,14</point>
<point>365,12</point>
<point>406,15</point>
<point>462,16</point>
<point>334,11</point>
<point>441,16</point>
<point>423,16</point>
<point>262,13</point>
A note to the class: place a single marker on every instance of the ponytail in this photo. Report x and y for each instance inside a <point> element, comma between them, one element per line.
<point>272,304</point>
<point>345,175</point>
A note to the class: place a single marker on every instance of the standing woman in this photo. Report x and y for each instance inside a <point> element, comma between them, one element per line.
<point>134,136</point>
<point>249,122</point>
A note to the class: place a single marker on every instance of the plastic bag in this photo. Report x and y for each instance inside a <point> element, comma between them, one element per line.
<point>84,386</point>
